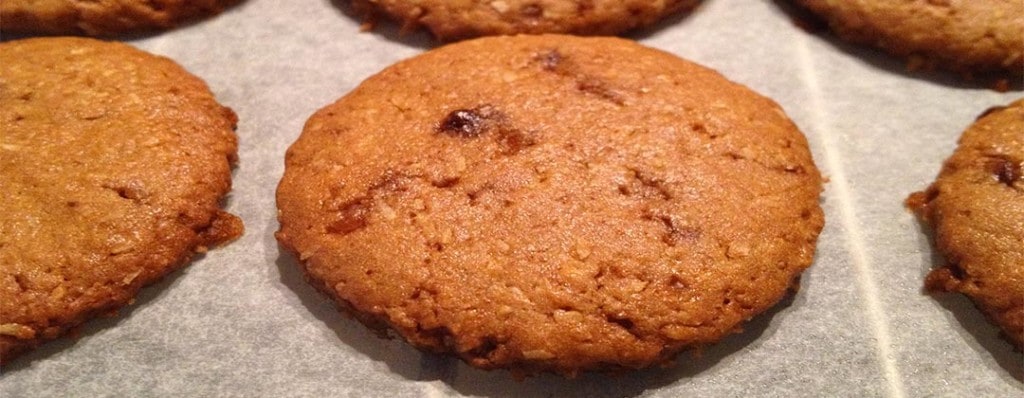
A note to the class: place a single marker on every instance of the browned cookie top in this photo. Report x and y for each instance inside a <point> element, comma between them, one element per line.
<point>961,35</point>
<point>977,209</point>
<point>112,164</point>
<point>451,20</point>
<point>103,17</point>
<point>552,203</point>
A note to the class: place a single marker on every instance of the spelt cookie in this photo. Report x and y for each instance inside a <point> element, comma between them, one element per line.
<point>977,209</point>
<point>112,164</point>
<point>967,36</point>
<point>452,20</point>
<point>551,203</point>
<point>102,18</point>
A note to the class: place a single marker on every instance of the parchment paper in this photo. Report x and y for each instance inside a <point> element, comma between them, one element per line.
<point>242,322</point>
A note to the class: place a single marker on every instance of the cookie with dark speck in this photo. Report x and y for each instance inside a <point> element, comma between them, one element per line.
<point>452,20</point>
<point>976,207</point>
<point>966,36</point>
<point>551,203</point>
<point>113,163</point>
<point>102,18</point>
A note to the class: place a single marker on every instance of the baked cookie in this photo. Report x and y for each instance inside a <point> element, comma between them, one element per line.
<point>977,209</point>
<point>102,18</point>
<point>966,36</point>
<point>112,166</point>
<point>551,203</point>
<point>452,20</point>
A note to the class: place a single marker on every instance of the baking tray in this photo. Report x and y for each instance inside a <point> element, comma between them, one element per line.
<point>240,321</point>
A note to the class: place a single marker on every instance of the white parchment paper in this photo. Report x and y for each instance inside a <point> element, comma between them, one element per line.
<point>241,321</point>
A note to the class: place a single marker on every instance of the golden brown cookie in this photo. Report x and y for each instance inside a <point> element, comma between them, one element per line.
<point>551,203</point>
<point>967,36</point>
<point>452,20</point>
<point>102,17</point>
<point>113,162</point>
<point>977,209</point>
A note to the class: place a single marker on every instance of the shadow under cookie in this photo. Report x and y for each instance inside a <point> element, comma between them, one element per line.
<point>470,381</point>
<point>966,318</point>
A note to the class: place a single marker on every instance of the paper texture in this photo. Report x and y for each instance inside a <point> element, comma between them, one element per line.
<point>241,321</point>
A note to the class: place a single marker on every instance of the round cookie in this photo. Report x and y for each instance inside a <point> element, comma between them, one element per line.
<point>966,36</point>
<point>551,203</point>
<point>113,162</point>
<point>102,18</point>
<point>452,20</point>
<point>976,207</point>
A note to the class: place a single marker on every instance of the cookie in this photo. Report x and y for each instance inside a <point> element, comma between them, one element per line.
<point>113,162</point>
<point>452,20</point>
<point>102,18</point>
<point>976,206</point>
<point>551,203</point>
<point>966,36</point>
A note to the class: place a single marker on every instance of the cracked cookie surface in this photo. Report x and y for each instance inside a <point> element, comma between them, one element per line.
<point>112,165</point>
<point>966,36</point>
<point>976,207</point>
<point>452,20</point>
<point>551,203</point>
<point>103,17</point>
